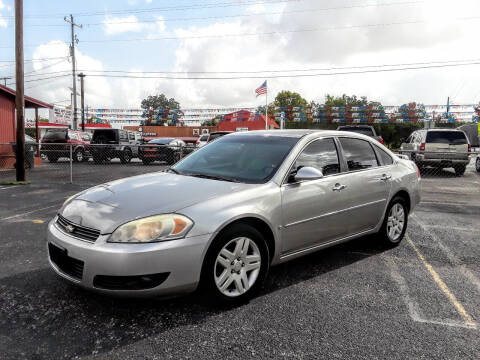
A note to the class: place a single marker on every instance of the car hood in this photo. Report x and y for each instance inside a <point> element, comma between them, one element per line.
<point>107,206</point>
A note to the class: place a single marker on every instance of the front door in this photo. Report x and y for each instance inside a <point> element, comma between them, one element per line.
<point>313,210</point>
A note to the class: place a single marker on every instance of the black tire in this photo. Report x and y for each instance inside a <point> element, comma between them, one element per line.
<point>477,164</point>
<point>383,235</point>
<point>207,282</point>
<point>52,158</point>
<point>126,156</point>
<point>97,159</point>
<point>460,170</point>
<point>78,155</point>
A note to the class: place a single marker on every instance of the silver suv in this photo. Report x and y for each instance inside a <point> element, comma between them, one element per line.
<point>440,148</point>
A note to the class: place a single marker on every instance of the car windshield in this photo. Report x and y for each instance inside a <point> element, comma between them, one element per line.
<point>160,141</point>
<point>249,158</point>
<point>446,137</point>
<point>358,130</point>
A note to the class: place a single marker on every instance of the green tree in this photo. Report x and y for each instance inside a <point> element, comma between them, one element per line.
<point>289,98</point>
<point>156,102</point>
<point>345,100</point>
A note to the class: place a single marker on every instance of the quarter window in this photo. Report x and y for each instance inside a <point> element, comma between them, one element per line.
<point>386,159</point>
<point>358,153</point>
<point>320,154</point>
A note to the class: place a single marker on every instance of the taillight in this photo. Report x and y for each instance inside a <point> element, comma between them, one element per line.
<point>380,140</point>
<point>419,175</point>
<point>469,148</point>
<point>422,147</point>
<point>198,142</point>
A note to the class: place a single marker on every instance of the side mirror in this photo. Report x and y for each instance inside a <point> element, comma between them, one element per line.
<point>308,173</point>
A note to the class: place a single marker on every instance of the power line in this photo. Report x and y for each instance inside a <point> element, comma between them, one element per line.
<point>288,75</point>
<point>33,60</point>
<point>164,9</point>
<point>239,15</point>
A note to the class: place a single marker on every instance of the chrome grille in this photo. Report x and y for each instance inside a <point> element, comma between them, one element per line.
<point>76,230</point>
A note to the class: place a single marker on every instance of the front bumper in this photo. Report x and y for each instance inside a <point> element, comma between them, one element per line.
<point>180,259</point>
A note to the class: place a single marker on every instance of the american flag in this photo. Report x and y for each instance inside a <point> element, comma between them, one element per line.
<point>262,89</point>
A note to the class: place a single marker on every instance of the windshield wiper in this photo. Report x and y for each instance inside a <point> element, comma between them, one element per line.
<point>175,171</point>
<point>213,177</point>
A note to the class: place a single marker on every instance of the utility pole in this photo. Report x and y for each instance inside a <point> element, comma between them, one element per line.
<point>82,99</point>
<point>72,53</point>
<point>5,78</point>
<point>19,90</point>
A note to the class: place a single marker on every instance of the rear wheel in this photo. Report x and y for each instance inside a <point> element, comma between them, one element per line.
<point>395,223</point>
<point>460,170</point>
<point>236,264</point>
<point>126,156</point>
<point>477,164</point>
<point>79,155</point>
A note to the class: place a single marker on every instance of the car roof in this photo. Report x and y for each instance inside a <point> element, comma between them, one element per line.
<point>297,133</point>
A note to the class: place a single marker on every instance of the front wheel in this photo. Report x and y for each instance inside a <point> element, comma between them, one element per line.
<point>236,264</point>
<point>79,155</point>
<point>126,156</point>
<point>395,223</point>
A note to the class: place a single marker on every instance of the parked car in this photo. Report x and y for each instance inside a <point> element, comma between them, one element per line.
<point>223,215</point>
<point>202,140</point>
<point>217,134</point>
<point>115,143</point>
<point>56,143</point>
<point>170,150</point>
<point>362,129</point>
<point>440,148</point>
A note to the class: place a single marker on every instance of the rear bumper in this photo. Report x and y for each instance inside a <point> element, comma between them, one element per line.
<point>422,159</point>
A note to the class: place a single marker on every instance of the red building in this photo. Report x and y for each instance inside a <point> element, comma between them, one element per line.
<point>7,122</point>
<point>245,120</point>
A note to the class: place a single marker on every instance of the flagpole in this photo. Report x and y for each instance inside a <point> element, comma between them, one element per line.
<point>266,107</point>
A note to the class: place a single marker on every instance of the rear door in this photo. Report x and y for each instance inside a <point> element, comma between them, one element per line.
<point>446,145</point>
<point>367,184</point>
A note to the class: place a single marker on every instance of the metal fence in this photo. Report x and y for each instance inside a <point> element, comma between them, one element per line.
<point>90,164</point>
<point>95,164</point>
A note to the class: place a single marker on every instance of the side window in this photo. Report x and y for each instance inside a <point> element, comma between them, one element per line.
<point>320,154</point>
<point>385,158</point>
<point>73,136</point>
<point>358,153</point>
<point>86,137</point>
<point>409,139</point>
<point>122,135</point>
<point>131,136</point>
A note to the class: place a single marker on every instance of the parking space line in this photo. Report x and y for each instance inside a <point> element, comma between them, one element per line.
<point>450,255</point>
<point>8,187</point>
<point>441,284</point>
<point>28,212</point>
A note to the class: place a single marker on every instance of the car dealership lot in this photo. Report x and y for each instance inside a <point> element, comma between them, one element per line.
<point>356,300</point>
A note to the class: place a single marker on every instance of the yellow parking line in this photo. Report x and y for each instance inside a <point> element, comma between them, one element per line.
<point>459,307</point>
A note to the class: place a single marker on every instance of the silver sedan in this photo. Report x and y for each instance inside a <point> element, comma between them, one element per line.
<point>222,216</point>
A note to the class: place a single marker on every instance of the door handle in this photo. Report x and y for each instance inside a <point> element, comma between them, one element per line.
<point>386,177</point>
<point>338,187</point>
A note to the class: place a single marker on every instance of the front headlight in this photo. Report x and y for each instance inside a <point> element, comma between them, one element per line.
<point>152,229</point>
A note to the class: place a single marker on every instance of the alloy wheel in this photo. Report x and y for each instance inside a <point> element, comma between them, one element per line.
<point>237,267</point>
<point>395,222</point>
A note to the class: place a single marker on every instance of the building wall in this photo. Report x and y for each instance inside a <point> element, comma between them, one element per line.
<point>171,131</point>
<point>7,123</point>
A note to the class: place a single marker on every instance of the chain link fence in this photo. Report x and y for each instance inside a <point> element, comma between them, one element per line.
<point>99,163</point>
<point>89,164</point>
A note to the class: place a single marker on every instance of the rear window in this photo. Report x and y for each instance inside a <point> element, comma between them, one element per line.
<point>359,130</point>
<point>446,137</point>
<point>55,135</point>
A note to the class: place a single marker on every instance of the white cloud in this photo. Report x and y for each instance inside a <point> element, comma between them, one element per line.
<point>119,25</point>
<point>3,20</point>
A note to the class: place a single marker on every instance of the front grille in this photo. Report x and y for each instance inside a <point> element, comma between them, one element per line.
<point>76,230</point>
<point>68,265</point>
<point>137,282</point>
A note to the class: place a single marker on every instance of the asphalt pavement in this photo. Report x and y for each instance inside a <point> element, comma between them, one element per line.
<point>353,301</point>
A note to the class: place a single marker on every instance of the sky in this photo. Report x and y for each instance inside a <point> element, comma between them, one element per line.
<point>193,38</point>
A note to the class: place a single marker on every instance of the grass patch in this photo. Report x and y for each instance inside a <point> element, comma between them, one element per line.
<point>14,182</point>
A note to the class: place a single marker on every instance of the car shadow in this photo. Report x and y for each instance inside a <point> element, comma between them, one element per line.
<point>57,320</point>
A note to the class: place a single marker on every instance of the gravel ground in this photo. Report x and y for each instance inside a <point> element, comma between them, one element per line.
<point>419,300</point>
